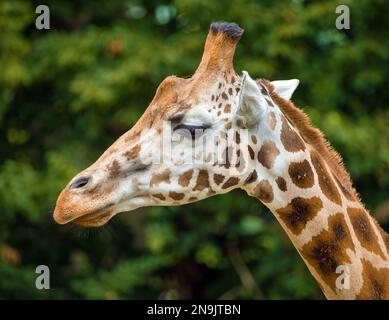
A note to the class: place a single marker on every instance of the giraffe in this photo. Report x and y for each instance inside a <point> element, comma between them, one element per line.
<point>265,146</point>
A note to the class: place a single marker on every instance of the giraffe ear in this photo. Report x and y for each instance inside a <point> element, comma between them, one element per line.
<point>251,103</point>
<point>285,88</point>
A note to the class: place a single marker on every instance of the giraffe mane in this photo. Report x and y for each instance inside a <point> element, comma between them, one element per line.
<point>314,137</point>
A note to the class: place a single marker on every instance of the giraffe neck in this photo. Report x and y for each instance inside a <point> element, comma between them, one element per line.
<point>341,244</point>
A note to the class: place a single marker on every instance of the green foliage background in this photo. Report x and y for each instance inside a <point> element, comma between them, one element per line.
<point>67,93</point>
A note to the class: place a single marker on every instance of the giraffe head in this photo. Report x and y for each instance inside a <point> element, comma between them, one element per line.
<point>193,141</point>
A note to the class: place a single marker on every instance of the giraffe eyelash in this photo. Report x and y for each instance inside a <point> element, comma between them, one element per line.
<point>195,131</point>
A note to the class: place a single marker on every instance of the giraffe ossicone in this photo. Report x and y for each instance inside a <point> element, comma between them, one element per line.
<point>218,131</point>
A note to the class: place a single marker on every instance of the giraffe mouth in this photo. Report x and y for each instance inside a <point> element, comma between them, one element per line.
<point>95,219</point>
<point>101,216</point>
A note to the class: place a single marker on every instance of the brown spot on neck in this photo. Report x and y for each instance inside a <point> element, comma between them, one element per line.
<point>218,178</point>
<point>301,174</point>
<point>281,183</point>
<point>364,230</point>
<point>176,195</point>
<point>233,181</point>
<point>202,181</point>
<point>158,178</point>
<point>328,250</point>
<point>159,196</point>
<point>326,183</point>
<point>252,177</point>
<point>185,178</point>
<point>290,139</point>
<point>264,191</point>
<point>268,154</point>
<point>299,212</point>
<point>375,282</point>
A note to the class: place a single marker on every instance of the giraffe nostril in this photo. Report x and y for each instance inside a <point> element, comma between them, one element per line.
<point>79,182</point>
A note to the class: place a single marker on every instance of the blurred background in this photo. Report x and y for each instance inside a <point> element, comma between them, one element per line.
<point>67,93</point>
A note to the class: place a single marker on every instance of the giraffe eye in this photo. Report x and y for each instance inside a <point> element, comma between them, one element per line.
<point>190,131</point>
